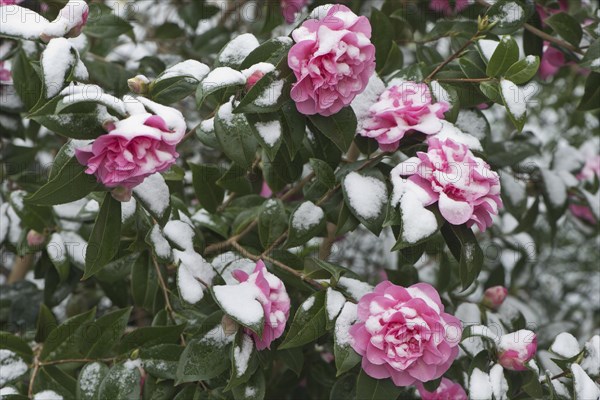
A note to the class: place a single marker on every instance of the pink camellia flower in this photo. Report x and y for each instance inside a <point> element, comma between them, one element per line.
<point>10,2</point>
<point>289,9</point>
<point>404,333</point>
<point>494,296</point>
<point>265,190</point>
<point>275,303</point>
<point>447,390</point>
<point>333,59</point>
<point>401,109</point>
<point>5,74</point>
<point>516,349</point>
<point>589,172</point>
<point>551,62</point>
<point>445,7</point>
<point>464,186</point>
<point>591,169</point>
<point>134,148</point>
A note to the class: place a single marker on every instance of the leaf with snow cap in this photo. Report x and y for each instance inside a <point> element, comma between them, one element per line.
<point>523,70</point>
<point>235,136</point>
<point>268,130</point>
<point>366,194</point>
<point>269,93</point>
<point>309,322</point>
<point>121,382</point>
<point>272,222</point>
<point>161,360</point>
<point>154,196</point>
<point>272,51</point>
<point>244,360</point>
<point>254,389</point>
<point>242,303</point>
<point>220,83</point>
<point>235,52</point>
<point>509,15</point>
<point>177,82</point>
<point>88,382</point>
<point>515,101</point>
<point>306,221</point>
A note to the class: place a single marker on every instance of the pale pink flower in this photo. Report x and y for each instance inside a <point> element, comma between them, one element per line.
<point>516,349</point>
<point>404,334</point>
<point>591,169</point>
<point>446,8</point>
<point>401,109</point>
<point>275,303</point>
<point>447,390</point>
<point>35,239</point>
<point>333,59</point>
<point>289,9</point>
<point>464,187</point>
<point>551,62</point>
<point>265,190</point>
<point>70,21</point>
<point>133,149</point>
<point>10,2</point>
<point>494,296</point>
<point>589,172</point>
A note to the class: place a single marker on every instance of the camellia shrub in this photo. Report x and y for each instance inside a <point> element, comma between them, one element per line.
<point>298,200</point>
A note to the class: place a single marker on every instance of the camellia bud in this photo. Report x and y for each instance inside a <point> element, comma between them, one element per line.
<point>229,325</point>
<point>494,297</point>
<point>121,194</point>
<point>138,84</point>
<point>252,79</point>
<point>35,239</point>
<point>516,349</point>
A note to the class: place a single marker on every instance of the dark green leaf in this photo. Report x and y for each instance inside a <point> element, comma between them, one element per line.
<point>591,96</point>
<point>272,222</point>
<point>27,82</point>
<point>61,342</point>
<point>149,336</point>
<point>45,324</point>
<point>309,322</point>
<point>566,26</point>
<point>121,382</point>
<point>161,361</point>
<point>505,55</point>
<point>101,335</point>
<point>88,382</point>
<point>204,178</point>
<point>254,389</point>
<point>381,37</point>
<point>105,238</point>
<point>202,359</point>
<point>235,137</point>
<point>368,388</point>
<point>340,128</point>
<point>523,70</point>
<point>464,246</point>
<point>509,15</point>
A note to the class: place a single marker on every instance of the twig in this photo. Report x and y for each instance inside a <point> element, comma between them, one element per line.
<point>448,60</point>
<point>20,268</point>
<point>165,290</point>
<point>466,80</point>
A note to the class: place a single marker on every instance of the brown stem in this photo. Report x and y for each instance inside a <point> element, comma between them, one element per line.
<point>448,60</point>
<point>20,268</point>
<point>465,80</point>
<point>165,290</point>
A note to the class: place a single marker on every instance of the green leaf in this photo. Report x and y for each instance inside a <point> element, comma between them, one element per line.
<point>295,128</point>
<point>472,65</point>
<point>144,284</point>
<point>464,247</point>
<point>46,323</point>
<point>203,358</point>
<point>172,90</point>
<point>271,51</point>
<point>161,361</point>
<point>272,222</point>
<point>591,95</point>
<point>235,137</point>
<point>80,120</point>
<point>344,388</point>
<point>243,364</point>
<point>254,389</point>
<point>340,128</point>
<point>117,270</point>
<point>204,179</point>
<point>105,238</point>
<point>566,26</point>
<point>27,82</point>
<point>590,59</point>
<point>107,25</point>
<point>309,322</point>
<point>61,342</point>
<point>235,180</point>
<point>381,36</point>
<point>293,358</point>
<point>88,382</point>
<point>281,171</point>
<point>71,183</point>
<point>102,334</point>
<point>306,221</point>
<point>17,345</point>
<point>335,270</point>
<point>149,336</point>
<point>509,15</point>
<point>121,382</point>
<point>394,61</point>
<point>522,71</point>
<point>220,92</point>
<point>368,388</point>
<point>505,55</point>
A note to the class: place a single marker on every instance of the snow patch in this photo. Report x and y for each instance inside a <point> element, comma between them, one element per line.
<point>307,216</point>
<point>367,195</point>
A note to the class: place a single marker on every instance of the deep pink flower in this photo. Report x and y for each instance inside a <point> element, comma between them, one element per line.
<point>583,212</point>
<point>289,9</point>
<point>589,172</point>
<point>10,2</point>
<point>134,148</point>
<point>494,296</point>
<point>265,190</point>
<point>404,333</point>
<point>400,109</point>
<point>551,62</point>
<point>516,349</point>
<point>333,59</point>
<point>445,7</point>
<point>275,302</point>
<point>464,186</point>
<point>5,74</point>
<point>447,390</point>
